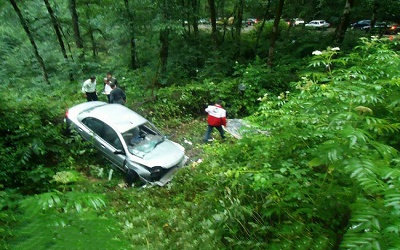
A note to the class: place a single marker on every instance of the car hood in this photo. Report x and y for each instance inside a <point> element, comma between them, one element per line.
<point>166,154</point>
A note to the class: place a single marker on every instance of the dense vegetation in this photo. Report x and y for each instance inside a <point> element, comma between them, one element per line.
<point>323,175</point>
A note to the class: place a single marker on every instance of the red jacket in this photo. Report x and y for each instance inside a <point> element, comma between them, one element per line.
<point>216,115</point>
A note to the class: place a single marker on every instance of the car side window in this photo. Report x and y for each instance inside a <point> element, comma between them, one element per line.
<point>93,124</point>
<point>110,136</point>
<point>104,131</point>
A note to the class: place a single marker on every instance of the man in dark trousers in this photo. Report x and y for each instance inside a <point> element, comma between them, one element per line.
<point>89,89</point>
<point>117,95</point>
<point>216,119</point>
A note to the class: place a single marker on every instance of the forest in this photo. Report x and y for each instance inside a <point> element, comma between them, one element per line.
<point>325,175</point>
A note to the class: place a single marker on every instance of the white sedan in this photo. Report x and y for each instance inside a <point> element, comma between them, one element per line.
<point>318,24</point>
<point>298,21</point>
<point>129,141</point>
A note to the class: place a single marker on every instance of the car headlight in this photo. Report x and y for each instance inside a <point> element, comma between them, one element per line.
<point>157,172</point>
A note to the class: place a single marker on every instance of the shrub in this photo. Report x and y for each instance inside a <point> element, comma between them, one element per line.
<point>325,176</point>
<point>32,144</point>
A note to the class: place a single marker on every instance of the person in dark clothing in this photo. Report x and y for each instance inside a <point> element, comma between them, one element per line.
<point>117,95</point>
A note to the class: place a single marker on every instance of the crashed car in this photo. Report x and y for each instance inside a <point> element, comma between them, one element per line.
<point>128,140</point>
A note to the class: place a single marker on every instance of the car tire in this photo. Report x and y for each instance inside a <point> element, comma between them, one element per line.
<point>131,177</point>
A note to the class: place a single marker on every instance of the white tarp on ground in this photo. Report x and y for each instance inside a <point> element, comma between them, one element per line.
<point>238,127</point>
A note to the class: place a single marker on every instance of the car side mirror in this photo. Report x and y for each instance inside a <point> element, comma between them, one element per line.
<point>119,152</point>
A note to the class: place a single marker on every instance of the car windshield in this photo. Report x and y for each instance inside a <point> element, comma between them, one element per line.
<point>142,139</point>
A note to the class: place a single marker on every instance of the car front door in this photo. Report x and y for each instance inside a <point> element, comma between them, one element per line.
<point>106,140</point>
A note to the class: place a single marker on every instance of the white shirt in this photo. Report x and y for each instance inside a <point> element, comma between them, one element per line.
<point>107,82</point>
<point>216,111</point>
<point>89,86</point>
<point>107,89</point>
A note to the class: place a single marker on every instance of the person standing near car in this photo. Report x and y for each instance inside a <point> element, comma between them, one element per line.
<point>89,89</point>
<point>108,80</point>
<point>216,119</point>
<point>117,95</point>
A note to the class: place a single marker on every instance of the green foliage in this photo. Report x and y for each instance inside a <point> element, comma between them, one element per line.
<point>32,137</point>
<point>267,28</point>
<point>167,223</point>
<point>29,132</point>
<point>257,79</point>
<point>325,175</point>
<point>65,220</point>
<point>183,103</point>
<point>8,204</point>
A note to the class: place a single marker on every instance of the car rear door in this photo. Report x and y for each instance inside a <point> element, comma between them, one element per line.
<point>106,140</point>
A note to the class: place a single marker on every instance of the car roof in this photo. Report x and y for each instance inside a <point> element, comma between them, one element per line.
<point>118,116</point>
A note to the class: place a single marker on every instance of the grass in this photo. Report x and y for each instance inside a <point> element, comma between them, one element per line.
<point>151,217</point>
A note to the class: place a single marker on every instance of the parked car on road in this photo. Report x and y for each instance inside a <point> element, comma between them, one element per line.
<point>251,21</point>
<point>204,21</point>
<point>382,28</point>
<point>129,141</point>
<point>297,21</point>
<point>360,24</point>
<point>318,24</point>
<point>393,29</point>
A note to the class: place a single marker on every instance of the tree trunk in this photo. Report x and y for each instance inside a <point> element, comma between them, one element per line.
<point>57,30</point>
<point>265,17</point>
<point>134,61</point>
<point>164,40</point>
<point>91,33</point>
<point>213,17</point>
<point>275,32</point>
<point>195,8</point>
<point>30,36</point>
<point>93,41</point>
<point>375,8</point>
<point>344,22</point>
<point>187,21</point>
<point>75,26</point>
<point>238,19</point>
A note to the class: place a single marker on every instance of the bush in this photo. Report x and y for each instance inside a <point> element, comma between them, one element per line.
<point>325,175</point>
<point>32,144</point>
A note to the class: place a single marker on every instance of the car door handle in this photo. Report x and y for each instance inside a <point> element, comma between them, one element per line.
<point>102,146</point>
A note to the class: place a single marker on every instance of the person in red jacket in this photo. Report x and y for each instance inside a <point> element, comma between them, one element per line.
<point>216,119</point>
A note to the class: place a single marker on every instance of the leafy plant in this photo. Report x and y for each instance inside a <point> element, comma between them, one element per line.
<point>325,169</point>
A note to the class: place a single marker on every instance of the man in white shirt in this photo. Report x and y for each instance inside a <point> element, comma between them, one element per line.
<point>89,89</point>
<point>108,80</point>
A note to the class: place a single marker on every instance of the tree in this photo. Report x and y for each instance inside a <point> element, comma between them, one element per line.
<point>238,18</point>
<point>164,39</point>
<point>133,61</point>
<point>75,26</point>
<point>213,17</point>
<point>344,22</point>
<point>31,39</point>
<point>265,15</point>
<point>57,30</point>
<point>275,32</point>
<point>195,16</point>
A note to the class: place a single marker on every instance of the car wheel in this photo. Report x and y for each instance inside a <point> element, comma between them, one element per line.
<point>131,177</point>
